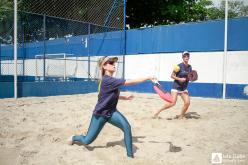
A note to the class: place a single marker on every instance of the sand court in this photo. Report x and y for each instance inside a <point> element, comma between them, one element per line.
<point>34,130</point>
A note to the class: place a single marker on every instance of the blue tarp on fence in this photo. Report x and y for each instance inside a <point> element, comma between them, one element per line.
<point>198,37</point>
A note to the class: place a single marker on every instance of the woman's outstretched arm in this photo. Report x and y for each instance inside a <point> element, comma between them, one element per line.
<point>139,80</point>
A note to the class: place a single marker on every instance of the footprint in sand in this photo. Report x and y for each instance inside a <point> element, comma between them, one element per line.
<point>173,148</point>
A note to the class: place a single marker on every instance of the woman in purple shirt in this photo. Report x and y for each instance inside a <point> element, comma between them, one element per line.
<point>105,109</point>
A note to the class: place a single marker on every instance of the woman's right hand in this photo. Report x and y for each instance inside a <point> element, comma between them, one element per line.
<point>153,79</point>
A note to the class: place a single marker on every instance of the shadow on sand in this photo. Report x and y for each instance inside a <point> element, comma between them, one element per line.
<point>189,115</point>
<point>136,139</point>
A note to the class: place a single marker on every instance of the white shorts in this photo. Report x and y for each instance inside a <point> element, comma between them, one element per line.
<point>179,92</point>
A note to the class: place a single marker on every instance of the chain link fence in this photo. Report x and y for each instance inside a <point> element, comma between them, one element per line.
<point>60,40</point>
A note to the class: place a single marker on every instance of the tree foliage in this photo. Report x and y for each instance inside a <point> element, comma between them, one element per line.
<point>235,9</point>
<point>160,12</point>
<point>144,13</point>
<point>139,12</point>
<point>5,5</point>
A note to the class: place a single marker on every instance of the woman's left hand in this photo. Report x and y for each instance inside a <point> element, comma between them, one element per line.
<point>129,97</point>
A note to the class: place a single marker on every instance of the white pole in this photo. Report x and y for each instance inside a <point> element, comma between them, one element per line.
<point>225,52</point>
<point>64,66</point>
<point>15,49</point>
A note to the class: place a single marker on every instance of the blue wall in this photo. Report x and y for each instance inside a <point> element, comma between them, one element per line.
<point>210,90</point>
<point>111,43</point>
<point>194,37</point>
<point>206,89</point>
<point>26,89</point>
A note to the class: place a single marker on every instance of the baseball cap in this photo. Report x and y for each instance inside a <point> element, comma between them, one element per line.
<point>105,59</point>
<point>185,53</point>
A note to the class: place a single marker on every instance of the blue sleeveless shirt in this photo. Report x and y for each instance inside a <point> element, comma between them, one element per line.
<point>183,73</point>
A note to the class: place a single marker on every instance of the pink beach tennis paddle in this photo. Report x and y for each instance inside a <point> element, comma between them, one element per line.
<point>162,93</point>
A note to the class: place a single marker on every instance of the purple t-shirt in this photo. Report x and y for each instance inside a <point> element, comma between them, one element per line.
<point>108,96</point>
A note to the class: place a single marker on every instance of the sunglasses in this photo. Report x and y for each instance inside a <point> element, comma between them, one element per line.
<point>110,62</point>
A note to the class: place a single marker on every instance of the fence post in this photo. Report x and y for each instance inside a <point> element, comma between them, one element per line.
<point>44,44</point>
<point>225,52</point>
<point>125,44</point>
<point>65,67</point>
<point>88,45</point>
<point>23,48</point>
<point>15,49</point>
<point>0,59</point>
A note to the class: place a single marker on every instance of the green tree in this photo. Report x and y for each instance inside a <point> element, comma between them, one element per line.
<point>235,9</point>
<point>5,5</point>
<point>6,15</point>
<point>161,12</point>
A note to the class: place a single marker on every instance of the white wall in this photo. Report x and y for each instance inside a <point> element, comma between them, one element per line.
<point>75,67</point>
<point>209,66</point>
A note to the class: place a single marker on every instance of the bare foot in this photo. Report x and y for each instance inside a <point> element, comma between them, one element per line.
<point>70,140</point>
<point>176,117</point>
<point>179,117</point>
<point>155,116</point>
